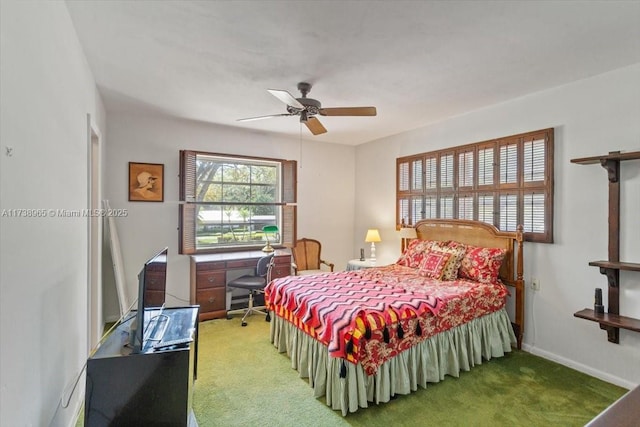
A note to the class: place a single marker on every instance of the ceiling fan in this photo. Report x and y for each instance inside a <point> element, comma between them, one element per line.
<point>308,108</point>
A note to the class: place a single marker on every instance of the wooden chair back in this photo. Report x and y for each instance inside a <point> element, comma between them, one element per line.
<point>307,255</point>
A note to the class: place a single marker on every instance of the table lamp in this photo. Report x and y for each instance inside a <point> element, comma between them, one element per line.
<point>372,237</point>
<point>269,229</point>
<point>406,234</point>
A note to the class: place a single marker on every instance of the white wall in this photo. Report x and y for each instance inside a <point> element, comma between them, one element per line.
<point>591,117</point>
<point>46,93</point>
<point>325,188</point>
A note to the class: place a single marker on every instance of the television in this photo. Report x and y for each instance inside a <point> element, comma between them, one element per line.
<point>149,323</point>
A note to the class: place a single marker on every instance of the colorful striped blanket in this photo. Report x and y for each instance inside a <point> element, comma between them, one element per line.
<point>333,307</point>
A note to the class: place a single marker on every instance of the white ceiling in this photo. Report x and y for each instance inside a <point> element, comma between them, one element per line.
<point>418,62</point>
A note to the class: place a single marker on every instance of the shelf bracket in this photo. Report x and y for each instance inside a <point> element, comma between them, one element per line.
<point>613,169</point>
<point>613,333</point>
<point>613,275</point>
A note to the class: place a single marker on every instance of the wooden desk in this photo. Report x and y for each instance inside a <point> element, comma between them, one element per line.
<point>209,277</point>
<point>624,412</point>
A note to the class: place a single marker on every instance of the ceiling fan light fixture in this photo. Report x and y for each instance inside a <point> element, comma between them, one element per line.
<point>303,117</point>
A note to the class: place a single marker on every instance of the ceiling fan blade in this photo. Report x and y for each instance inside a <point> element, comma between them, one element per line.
<point>286,97</point>
<point>249,119</point>
<point>348,111</point>
<point>315,126</point>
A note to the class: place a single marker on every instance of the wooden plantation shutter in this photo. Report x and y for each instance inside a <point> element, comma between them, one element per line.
<point>187,176</point>
<point>465,207</point>
<point>508,163</point>
<point>289,198</point>
<point>537,185</point>
<point>410,181</point>
<point>465,169</point>
<point>417,209</point>
<point>187,229</point>
<point>485,165</point>
<point>534,213</point>
<point>446,170</point>
<point>508,212</point>
<point>187,212</point>
<point>464,195</point>
<point>505,182</point>
<point>446,187</point>
<point>486,209</point>
<point>431,173</point>
<point>403,176</point>
<point>534,161</point>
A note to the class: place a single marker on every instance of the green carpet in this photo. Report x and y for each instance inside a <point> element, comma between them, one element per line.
<point>244,381</point>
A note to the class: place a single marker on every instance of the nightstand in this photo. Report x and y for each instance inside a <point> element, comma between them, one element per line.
<point>356,264</point>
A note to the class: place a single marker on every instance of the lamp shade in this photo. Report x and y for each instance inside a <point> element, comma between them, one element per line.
<point>372,236</point>
<point>408,233</point>
<point>270,229</point>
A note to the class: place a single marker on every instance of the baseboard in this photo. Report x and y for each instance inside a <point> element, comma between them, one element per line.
<point>579,367</point>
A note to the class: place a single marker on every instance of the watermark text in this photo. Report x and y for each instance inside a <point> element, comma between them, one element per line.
<point>63,213</point>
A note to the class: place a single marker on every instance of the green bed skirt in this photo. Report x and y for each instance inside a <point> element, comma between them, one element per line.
<point>447,353</point>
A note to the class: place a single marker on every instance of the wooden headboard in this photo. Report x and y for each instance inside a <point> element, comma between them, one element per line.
<point>485,235</point>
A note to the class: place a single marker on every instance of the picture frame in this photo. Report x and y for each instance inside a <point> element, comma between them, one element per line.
<point>146,182</point>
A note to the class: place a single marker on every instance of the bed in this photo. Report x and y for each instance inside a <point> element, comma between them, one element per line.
<point>362,337</point>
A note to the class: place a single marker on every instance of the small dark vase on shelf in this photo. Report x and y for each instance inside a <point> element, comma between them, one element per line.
<point>597,306</point>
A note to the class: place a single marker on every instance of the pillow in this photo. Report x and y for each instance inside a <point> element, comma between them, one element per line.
<point>414,253</point>
<point>433,264</point>
<point>457,254</point>
<point>481,264</point>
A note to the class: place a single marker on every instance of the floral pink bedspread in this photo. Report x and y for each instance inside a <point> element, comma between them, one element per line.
<point>369,316</point>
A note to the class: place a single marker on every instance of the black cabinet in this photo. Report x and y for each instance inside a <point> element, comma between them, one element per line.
<point>153,387</point>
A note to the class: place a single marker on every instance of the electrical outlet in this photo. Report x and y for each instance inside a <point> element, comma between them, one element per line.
<point>535,284</point>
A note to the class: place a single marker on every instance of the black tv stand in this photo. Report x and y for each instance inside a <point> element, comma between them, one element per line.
<point>150,387</point>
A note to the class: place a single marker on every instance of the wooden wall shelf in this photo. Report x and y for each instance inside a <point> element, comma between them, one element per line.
<point>614,155</point>
<point>628,266</point>
<point>612,321</point>
<point>609,319</point>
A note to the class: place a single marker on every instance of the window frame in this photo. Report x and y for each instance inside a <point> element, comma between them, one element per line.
<point>188,206</point>
<point>405,196</point>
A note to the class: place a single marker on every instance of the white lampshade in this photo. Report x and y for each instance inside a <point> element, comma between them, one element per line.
<point>372,236</point>
<point>408,233</point>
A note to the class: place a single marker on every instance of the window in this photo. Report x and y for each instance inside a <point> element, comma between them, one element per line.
<point>505,182</point>
<point>227,200</point>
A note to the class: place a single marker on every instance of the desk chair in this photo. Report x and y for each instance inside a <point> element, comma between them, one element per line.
<point>254,284</point>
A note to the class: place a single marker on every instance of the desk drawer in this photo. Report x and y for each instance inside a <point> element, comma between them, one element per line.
<point>212,265</point>
<point>283,259</point>
<point>214,299</point>
<point>210,279</point>
<point>280,271</point>
<point>242,263</point>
